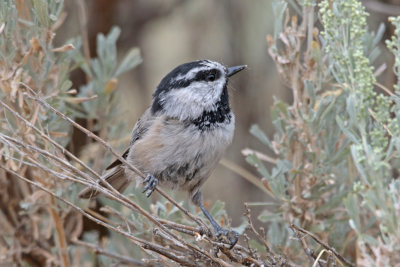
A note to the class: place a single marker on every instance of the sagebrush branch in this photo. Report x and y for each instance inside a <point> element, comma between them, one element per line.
<point>319,241</point>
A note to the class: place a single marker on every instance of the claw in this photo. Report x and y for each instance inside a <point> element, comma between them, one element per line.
<point>233,239</point>
<point>232,236</point>
<point>150,184</point>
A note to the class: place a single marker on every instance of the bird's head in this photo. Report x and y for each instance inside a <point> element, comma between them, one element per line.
<point>193,88</point>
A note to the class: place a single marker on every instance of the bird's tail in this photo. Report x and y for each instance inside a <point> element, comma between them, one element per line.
<point>115,177</point>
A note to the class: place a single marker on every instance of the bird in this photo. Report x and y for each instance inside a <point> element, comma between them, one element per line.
<point>181,137</point>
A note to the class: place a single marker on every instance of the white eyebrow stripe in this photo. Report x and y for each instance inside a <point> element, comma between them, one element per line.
<point>190,74</point>
<point>212,64</point>
<point>204,65</point>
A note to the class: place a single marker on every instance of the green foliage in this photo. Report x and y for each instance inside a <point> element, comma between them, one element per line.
<point>337,145</point>
<point>394,46</point>
<point>27,56</point>
<point>102,74</point>
<point>35,141</point>
<point>375,130</point>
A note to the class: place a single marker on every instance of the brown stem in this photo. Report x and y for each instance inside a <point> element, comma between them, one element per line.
<point>84,32</point>
<point>179,259</point>
<point>121,258</point>
<point>138,241</point>
<point>326,246</point>
<point>62,241</point>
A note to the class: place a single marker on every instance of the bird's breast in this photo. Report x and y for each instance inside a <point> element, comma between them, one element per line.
<point>181,155</point>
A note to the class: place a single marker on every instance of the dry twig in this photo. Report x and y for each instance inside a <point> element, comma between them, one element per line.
<point>319,241</point>
<point>120,258</point>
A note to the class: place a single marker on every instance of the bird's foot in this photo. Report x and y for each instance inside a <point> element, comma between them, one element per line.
<point>225,235</point>
<point>150,184</point>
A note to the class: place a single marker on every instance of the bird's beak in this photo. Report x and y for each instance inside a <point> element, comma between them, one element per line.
<point>234,70</point>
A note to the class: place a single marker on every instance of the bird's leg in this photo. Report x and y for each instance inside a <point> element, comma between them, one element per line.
<point>150,184</point>
<point>232,236</point>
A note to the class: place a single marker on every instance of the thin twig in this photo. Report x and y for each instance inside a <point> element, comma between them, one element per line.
<point>245,174</point>
<point>384,88</point>
<point>111,211</point>
<point>272,257</point>
<point>119,198</point>
<point>62,240</point>
<point>373,115</point>
<point>41,187</point>
<point>326,246</point>
<point>109,226</point>
<point>138,241</point>
<point>84,33</point>
<point>309,252</point>
<point>46,137</point>
<point>250,224</point>
<point>98,250</point>
<point>180,227</point>
<point>181,260</point>
<point>261,156</point>
<point>161,234</point>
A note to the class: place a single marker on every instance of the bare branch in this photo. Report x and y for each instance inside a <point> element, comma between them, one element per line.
<point>122,259</point>
<point>326,246</point>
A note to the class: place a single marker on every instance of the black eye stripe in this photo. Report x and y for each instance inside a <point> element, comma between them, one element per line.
<point>203,75</point>
<point>176,79</point>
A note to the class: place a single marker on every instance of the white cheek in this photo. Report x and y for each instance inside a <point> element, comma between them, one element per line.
<point>206,95</point>
<point>192,101</point>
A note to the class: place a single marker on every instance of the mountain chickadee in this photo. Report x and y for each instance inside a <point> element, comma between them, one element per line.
<point>181,137</point>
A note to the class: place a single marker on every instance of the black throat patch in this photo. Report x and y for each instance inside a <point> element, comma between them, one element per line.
<point>222,114</point>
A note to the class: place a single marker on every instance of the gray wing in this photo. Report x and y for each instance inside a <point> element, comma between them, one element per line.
<point>138,131</point>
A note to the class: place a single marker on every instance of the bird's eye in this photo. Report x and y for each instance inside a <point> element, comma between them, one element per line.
<point>211,77</point>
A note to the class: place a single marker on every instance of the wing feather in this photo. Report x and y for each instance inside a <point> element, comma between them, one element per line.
<point>141,127</point>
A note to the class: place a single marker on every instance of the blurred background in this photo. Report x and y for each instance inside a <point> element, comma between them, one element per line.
<point>169,33</point>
